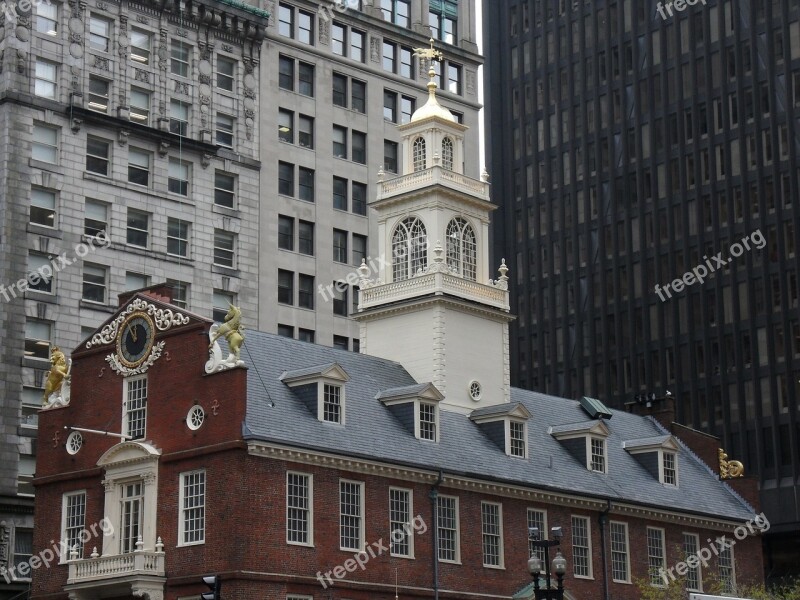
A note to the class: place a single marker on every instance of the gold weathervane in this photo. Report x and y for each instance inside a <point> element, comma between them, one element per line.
<point>429,53</point>
<point>729,469</point>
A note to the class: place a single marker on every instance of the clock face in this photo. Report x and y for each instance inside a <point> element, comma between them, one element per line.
<point>135,340</point>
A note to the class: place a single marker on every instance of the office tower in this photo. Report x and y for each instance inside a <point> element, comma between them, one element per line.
<point>630,145</point>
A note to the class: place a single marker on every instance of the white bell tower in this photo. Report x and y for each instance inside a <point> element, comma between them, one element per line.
<point>432,305</point>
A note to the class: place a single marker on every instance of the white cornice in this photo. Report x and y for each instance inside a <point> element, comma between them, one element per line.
<point>425,302</point>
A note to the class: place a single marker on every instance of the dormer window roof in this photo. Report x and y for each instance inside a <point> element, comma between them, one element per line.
<point>321,388</point>
<point>586,441</point>
<point>416,407</point>
<point>657,454</point>
<point>506,425</point>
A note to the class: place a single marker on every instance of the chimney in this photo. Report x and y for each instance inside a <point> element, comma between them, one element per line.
<point>159,291</point>
<point>647,405</point>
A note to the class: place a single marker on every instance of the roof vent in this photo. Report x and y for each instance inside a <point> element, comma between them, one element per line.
<point>594,408</point>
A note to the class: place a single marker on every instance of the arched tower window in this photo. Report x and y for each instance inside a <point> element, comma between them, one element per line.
<point>409,249</point>
<point>447,153</point>
<point>420,158</point>
<point>462,249</point>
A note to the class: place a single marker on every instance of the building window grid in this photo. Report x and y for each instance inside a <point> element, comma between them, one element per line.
<point>74,521</point>
<point>726,570</point>
<point>620,570</point>
<point>581,551</point>
<point>447,154</point>
<point>45,79</point>
<point>462,249</point>
<point>177,237</point>
<point>350,516</point>
<point>193,507</point>
<point>224,248</point>
<point>691,544</point>
<point>447,526</point>
<point>597,459</point>
<point>655,555</point>
<point>136,407</point>
<point>491,530</point>
<point>517,439</point>
<point>132,507</point>
<point>420,158</point>
<point>409,249</point>
<point>399,520</point>
<point>44,146</point>
<point>43,208</point>
<point>670,468</point>
<point>538,519</point>
<point>298,508</point>
<point>427,421</point>
<point>94,283</point>
<point>332,403</point>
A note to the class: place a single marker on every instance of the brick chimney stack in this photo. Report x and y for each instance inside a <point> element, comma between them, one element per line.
<point>159,291</point>
<point>662,409</point>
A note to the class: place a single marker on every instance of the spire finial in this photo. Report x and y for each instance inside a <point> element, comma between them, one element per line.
<point>431,54</point>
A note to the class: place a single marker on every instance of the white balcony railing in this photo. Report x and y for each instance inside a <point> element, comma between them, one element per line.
<point>119,565</point>
<point>433,176</point>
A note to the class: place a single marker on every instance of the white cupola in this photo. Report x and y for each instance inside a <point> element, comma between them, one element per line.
<point>431,303</point>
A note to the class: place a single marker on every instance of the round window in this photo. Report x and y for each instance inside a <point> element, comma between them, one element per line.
<point>74,442</point>
<point>195,418</point>
<point>475,390</point>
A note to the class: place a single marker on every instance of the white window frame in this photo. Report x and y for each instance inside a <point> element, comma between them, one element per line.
<point>418,420</point>
<point>97,267</point>
<point>182,509</point>
<point>500,551</point>
<point>662,467</point>
<point>662,542</point>
<point>407,529</point>
<point>45,80</point>
<point>321,401</point>
<point>309,511</point>
<point>627,552</point>
<point>457,559</point>
<point>361,520</point>
<point>65,548</point>
<point>524,438</point>
<point>686,554</point>
<point>37,194</point>
<point>542,531</point>
<point>589,439</point>
<point>588,523</point>
<point>125,411</point>
<point>44,144</point>
<point>728,550</point>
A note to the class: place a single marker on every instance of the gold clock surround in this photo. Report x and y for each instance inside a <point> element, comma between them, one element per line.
<point>123,332</point>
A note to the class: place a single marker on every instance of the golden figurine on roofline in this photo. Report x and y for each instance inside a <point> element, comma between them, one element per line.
<point>429,53</point>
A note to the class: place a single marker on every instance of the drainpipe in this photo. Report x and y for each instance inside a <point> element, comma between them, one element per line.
<point>434,495</point>
<point>603,519</point>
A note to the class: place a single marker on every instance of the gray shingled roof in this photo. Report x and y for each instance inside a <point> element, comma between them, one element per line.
<point>372,432</point>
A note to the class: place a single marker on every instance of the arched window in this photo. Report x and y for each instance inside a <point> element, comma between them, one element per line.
<point>462,249</point>
<point>447,153</point>
<point>419,154</point>
<point>409,249</point>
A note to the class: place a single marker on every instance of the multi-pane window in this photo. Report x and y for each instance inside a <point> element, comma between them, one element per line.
<point>95,218</point>
<point>358,96</point>
<point>340,246</point>
<point>597,455</point>
<point>286,73</point>
<point>225,130</point>
<point>135,407</point>
<point>177,237</point>
<point>359,248</point>
<point>351,530</point>
<point>74,521</point>
<point>691,545</point>
<point>94,283</point>
<point>285,232</point>
<point>339,298</point>
<point>305,76</point>
<point>305,184</point>
<point>43,207</point>
<point>298,508</point>
<point>37,339</point>
<point>358,192</point>
<point>141,42</point>
<point>347,42</point>
<point>305,291</point>
<point>409,249</point>
<point>447,528</point>
<point>390,57</point>
<point>462,249</point>
<point>727,573</point>
<point>390,106</point>
<point>332,403</point>
<point>669,468</point>
<point>193,508</point>
<point>339,193</point>
<point>407,107</point>
<point>178,176</point>
<point>339,90</point>
<point>135,281</point>
<point>517,445</point>
<point>226,73</point>
<point>138,228</point>
<point>40,264</point>
<point>23,548</point>
<point>305,27</point>
<point>178,117</point>
<point>224,248</point>
<point>454,78</point>
<point>427,421</point>
<point>419,154</point>
<point>448,160</point>
<point>538,519</point>
<point>224,185</point>
<point>138,166</point>
<point>390,163</point>
<point>220,303</point>
<point>131,516</point>
<point>339,141</point>
<point>45,144</point>
<point>400,509</point>
<point>286,126</point>
<point>581,547</point>
<point>305,335</point>
<point>656,562</point>
<point>305,131</point>
<point>620,562</point>
<point>47,18</point>
<point>492,534</point>
<point>140,106</point>
<point>286,20</point>
<point>98,94</point>
<point>180,293</point>
<point>286,179</point>
<point>305,237</point>
<point>99,33</point>
<point>285,287</point>
<point>179,58</point>
<point>396,11</point>
<point>45,79</point>
<point>442,18</point>
<point>98,155</point>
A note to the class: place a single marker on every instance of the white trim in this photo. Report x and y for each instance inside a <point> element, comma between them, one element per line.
<point>588,522</point>
<point>362,519</point>
<point>322,382</point>
<point>603,441</point>
<point>627,552</point>
<point>310,477</point>
<point>65,549</point>
<point>663,538</point>
<point>699,568</point>
<point>126,383</point>
<point>181,497</point>
<point>501,550</point>
<point>524,424</point>
<point>457,560</point>
<point>543,534</point>
<point>417,422</point>
<point>410,531</point>
<point>661,454</point>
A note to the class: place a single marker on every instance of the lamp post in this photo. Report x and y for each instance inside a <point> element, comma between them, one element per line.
<point>559,565</point>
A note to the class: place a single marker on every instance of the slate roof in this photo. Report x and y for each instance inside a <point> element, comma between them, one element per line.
<point>372,432</point>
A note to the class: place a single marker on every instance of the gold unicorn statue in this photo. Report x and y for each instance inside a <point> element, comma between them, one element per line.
<point>232,331</point>
<point>57,374</point>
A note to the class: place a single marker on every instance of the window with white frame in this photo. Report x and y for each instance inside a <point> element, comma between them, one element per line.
<point>38,336</point>
<point>400,511</point>
<point>98,94</point>
<point>462,249</point>
<point>138,230</point>
<point>224,189</point>
<point>47,18</point>
<point>134,416</point>
<point>179,58</point>
<point>226,73</point>
<point>73,521</point>
<point>95,217</point>
<point>178,117</point>
<point>224,248</point>
<point>132,512</point>
<point>140,106</point>
<point>691,545</point>
<point>220,302</point>
<point>192,518</point>
<point>178,175</point>
<point>447,528</point>
<point>447,154</point>
<point>225,130</point>
<point>177,237</point>
<point>727,568</point>
<point>136,281</point>
<point>141,42</point>
<point>23,549</point>
<point>581,547</point>
<point>99,33</point>
<point>39,265</point>
<point>517,439</point>
<point>332,403</point>
<point>656,562</point>
<point>620,560</point>
<point>538,519</point>
<point>427,421</point>
<point>180,293</point>
<point>669,468</point>
<point>299,523</point>
<point>45,79</point>
<point>43,207</point>
<point>597,455</point>
<point>45,144</point>
<point>420,155</point>
<point>95,283</point>
<point>409,248</point>
<point>138,167</point>
<point>351,511</point>
<point>492,534</point>
<point>98,155</point>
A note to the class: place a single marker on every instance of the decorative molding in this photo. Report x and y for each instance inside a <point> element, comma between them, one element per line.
<point>101,63</point>
<point>215,362</point>
<point>5,550</point>
<point>121,369</point>
<point>181,87</point>
<point>164,319</point>
<point>141,75</point>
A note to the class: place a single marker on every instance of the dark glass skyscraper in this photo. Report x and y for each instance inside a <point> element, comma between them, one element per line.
<point>634,145</point>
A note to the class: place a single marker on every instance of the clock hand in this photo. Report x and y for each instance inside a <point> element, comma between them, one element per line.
<point>132,331</point>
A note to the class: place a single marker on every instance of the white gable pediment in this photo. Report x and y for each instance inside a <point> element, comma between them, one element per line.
<point>127,453</point>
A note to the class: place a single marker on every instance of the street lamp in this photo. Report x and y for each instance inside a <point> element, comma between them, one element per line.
<point>559,565</point>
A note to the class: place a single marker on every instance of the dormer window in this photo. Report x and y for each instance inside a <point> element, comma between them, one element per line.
<point>517,439</point>
<point>420,155</point>
<point>322,390</point>
<point>506,425</point>
<point>669,468</point>
<point>416,407</point>
<point>597,456</point>
<point>585,441</point>
<point>658,455</point>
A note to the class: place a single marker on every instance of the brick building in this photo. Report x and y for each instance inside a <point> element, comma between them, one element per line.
<point>282,469</point>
